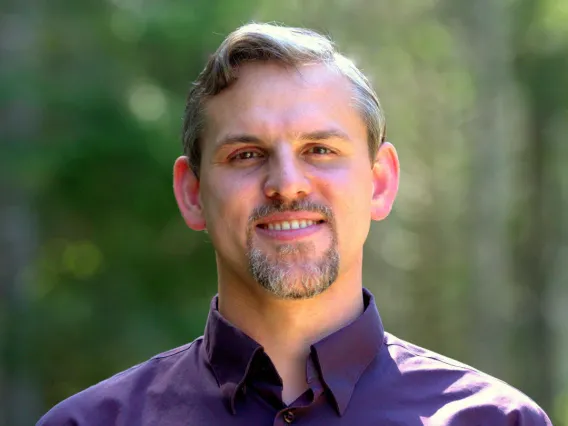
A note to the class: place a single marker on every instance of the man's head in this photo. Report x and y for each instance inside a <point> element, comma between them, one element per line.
<point>281,131</point>
<point>293,47</point>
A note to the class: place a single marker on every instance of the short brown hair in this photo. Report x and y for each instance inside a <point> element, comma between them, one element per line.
<point>290,46</point>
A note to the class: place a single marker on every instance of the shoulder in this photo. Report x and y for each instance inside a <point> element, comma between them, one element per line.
<point>101,403</point>
<point>465,394</point>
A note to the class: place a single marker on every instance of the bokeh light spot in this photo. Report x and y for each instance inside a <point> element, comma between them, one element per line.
<point>147,101</point>
<point>82,259</point>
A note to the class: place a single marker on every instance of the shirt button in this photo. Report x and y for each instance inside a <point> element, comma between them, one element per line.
<point>288,417</point>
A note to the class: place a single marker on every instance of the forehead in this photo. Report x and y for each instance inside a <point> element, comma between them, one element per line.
<point>273,101</point>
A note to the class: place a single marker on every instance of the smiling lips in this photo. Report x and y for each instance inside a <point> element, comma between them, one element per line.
<point>290,225</point>
<point>290,230</point>
<point>286,225</point>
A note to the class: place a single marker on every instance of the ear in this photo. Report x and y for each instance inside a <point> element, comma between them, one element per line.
<point>186,190</point>
<point>386,171</point>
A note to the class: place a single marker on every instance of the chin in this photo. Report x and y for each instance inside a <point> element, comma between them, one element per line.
<point>286,281</point>
<point>294,271</point>
<point>298,289</point>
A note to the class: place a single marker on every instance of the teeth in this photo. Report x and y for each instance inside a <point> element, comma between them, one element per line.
<point>286,225</point>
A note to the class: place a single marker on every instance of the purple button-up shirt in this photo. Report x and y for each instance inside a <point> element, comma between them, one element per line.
<point>359,375</point>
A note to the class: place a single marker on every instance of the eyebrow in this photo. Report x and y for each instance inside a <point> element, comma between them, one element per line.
<point>317,135</point>
<point>321,135</point>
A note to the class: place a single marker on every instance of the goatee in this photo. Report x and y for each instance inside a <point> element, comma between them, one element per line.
<point>282,275</point>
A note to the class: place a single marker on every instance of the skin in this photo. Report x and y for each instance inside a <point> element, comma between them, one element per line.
<point>256,154</point>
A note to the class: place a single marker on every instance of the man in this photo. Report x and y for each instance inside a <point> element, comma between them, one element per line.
<point>285,165</point>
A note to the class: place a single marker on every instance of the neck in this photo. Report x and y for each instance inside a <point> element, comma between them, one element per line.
<point>287,328</point>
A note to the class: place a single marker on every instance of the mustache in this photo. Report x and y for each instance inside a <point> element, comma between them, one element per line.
<point>296,206</point>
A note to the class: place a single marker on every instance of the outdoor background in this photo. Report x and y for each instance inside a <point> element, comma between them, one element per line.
<point>98,272</point>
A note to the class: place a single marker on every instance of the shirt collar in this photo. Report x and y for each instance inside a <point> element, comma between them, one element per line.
<point>230,353</point>
<point>341,357</point>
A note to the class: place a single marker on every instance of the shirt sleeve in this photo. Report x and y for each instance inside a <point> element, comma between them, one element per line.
<point>60,415</point>
<point>529,415</point>
<point>102,404</point>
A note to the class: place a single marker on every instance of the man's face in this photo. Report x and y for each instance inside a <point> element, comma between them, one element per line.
<point>286,181</point>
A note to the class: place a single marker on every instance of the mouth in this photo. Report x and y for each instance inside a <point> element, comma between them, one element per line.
<point>287,230</point>
<point>287,225</point>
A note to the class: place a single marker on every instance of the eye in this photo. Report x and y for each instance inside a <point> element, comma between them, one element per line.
<point>245,155</point>
<point>319,150</point>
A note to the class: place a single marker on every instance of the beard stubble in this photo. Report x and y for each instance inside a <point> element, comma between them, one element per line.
<point>293,273</point>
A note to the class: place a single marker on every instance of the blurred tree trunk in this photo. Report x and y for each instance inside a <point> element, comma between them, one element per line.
<point>533,344</point>
<point>19,393</point>
<point>542,72</point>
<point>483,27</point>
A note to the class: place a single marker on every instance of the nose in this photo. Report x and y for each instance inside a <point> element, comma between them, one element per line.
<point>287,180</point>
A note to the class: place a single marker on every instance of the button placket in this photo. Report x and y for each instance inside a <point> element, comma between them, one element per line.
<point>288,417</point>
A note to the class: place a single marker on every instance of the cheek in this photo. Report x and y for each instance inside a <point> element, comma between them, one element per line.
<point>355,213</point>
<point>350,196</point>
<point>351,191</point>
<point>227,208</point>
